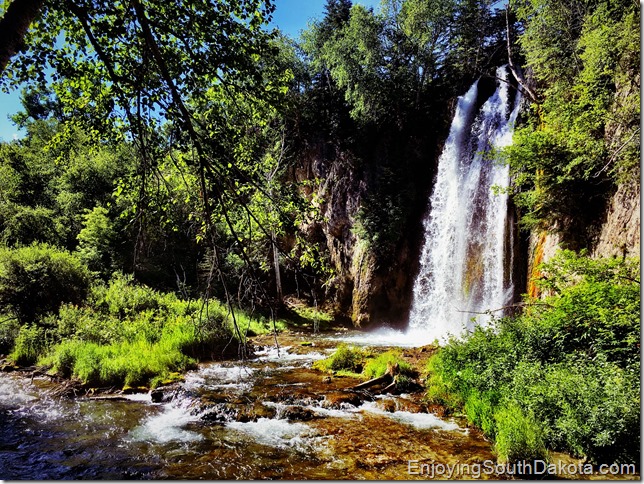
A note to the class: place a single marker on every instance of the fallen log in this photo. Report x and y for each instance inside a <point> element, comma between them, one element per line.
<point>116,398</point>
<point>386,377</point>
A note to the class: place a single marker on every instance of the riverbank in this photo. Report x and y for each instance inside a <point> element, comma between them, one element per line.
<point>271,416</point>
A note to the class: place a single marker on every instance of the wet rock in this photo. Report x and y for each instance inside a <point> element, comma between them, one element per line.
<point>262,411</point>
<point>404,405</point>
<point>132,390</point>
<point>298,413</point>
<point>220,412</point>
<point>231,412</point>
<point>214,398</point>
<point>387,404</point>
<point>7,367</point>
<point>438,410</point>
<point>339,400</point>
<point>326,379</point>
<point>296,398</point>
<point>165,393</point>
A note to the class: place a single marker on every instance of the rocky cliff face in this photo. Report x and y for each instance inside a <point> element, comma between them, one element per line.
<point>363,289</point>
<point>620,231</point>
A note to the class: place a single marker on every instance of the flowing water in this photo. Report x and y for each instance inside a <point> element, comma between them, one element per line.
<point>271,417</point>
<point>466,261</point>
<point>465,264</point>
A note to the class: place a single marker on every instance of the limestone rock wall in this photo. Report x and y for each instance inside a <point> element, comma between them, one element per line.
<point>620,231</point>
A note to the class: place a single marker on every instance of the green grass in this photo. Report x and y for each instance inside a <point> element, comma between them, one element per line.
<point>129,335</point>
<point>362,363</point>
<point>125,364</point>
<point>347,359</point>
<point>378,366</point>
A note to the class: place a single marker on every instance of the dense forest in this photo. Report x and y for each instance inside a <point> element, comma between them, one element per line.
<point>190,178</point>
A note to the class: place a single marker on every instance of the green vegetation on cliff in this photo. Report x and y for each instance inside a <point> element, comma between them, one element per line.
<point>582,137</point>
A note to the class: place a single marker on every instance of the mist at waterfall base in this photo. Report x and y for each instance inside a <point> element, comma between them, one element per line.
<point>466,261</point>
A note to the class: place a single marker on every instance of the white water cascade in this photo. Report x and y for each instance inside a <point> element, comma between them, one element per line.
<point>466,260</point>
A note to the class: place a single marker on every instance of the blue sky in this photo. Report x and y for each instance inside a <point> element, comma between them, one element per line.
<point>291,16</point>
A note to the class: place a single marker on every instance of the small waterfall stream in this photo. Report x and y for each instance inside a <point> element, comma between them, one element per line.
<point>465,258</point>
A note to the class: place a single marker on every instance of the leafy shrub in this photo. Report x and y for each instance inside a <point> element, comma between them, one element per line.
<point>589,408</point>
<point>378,366</point>
<point>565,372</point>
<point>36,280</point>
<point>27,225</point>
<point>345,358</point>
<point>95,241</point>
<point>122,296</point>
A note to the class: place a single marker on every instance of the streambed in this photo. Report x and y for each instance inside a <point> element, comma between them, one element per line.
<point>269,417</point>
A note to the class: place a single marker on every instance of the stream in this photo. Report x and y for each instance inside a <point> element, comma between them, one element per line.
<point>269,417</point>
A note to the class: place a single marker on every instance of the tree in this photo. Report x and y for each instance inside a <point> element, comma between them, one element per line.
<point>13,27</point>
<point>170,77</point>
<point>37,279</point>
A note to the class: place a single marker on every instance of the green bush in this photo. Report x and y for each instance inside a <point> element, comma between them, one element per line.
<point>26,225</point>
<point>565,372</point>
<point>95,241</point>
<point>36,280</point>
<point>587,407</point>
<point>518,435</point>
<point>345,358</point>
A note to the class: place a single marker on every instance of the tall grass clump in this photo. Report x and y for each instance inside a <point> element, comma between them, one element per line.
<point>345,358</point>
<point>564,375</point>
<point>124,334</point>
<point>379,365</point>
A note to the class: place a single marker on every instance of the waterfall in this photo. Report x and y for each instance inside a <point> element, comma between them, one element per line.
<point>465,260</point>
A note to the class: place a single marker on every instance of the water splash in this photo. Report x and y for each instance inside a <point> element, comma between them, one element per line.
<point>168,425</point>
<point>465,255</point>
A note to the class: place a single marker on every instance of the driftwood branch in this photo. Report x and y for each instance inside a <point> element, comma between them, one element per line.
<point>511,306</point>
<point>388,376</point>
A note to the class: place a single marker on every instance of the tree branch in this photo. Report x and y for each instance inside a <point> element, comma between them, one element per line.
<point>516,70</point>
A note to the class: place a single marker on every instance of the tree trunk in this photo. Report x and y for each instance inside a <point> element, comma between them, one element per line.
<point>276,266</point>
<point>516,70</point>
<point>14,26</point>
